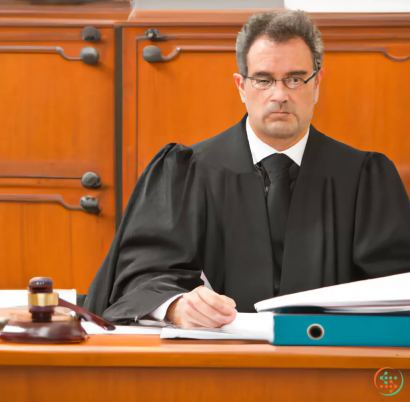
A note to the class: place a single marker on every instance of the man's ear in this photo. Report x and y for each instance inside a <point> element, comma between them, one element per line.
<point>240,83</point>
<point>319,78</point>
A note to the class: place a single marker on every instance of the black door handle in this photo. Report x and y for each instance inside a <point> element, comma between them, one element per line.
<point>88,180</point>
<point>91,180</point>
<point>90,34</point>
<point>153,54</point>
<point>87,204</point>
<point>90,204</point>
<point>88,55</point>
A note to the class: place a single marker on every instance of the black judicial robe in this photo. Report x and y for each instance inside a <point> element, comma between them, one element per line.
<point>202,208</point>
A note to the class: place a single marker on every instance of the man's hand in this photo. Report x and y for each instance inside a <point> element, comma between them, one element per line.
<point>202,308</point>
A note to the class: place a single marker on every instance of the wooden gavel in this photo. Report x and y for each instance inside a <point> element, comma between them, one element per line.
<point>45,326</point>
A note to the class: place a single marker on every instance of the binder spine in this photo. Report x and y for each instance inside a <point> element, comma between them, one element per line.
<point>341,330</point>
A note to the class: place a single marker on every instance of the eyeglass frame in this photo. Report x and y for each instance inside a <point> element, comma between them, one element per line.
<point>274,80</point>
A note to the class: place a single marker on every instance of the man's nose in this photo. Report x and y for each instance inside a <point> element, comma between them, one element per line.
<point>279,92</point>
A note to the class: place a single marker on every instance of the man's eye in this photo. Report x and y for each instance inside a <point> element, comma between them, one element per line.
<point>294,80</point>
<point>263,81</point>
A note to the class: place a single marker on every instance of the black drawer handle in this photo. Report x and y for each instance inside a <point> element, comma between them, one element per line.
<point>87,204</point>
<point>88,180</point>
<point>88,55</point>
<point>153,54</point>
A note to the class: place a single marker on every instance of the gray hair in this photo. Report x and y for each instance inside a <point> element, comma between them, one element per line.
<point>280,27</point>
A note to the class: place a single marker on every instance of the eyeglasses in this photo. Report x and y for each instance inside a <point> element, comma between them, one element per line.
<point>267,82</point>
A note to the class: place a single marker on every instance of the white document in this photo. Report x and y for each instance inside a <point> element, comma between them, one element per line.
<point>246,326</point>
<point>19,298</point>
<point>389,288</point>
<point>94,329</point>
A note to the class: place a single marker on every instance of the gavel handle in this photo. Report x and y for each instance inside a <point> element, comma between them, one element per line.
<point>87,315</point>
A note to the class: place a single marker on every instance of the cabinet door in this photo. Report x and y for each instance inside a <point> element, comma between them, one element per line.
<point>189,95</point>
<point>57,123</point>
<point>186,100</point>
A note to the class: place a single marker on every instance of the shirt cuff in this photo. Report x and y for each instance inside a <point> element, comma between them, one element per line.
<point>160,312</point>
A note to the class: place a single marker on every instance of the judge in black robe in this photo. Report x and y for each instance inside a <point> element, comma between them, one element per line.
<point>202,208</point>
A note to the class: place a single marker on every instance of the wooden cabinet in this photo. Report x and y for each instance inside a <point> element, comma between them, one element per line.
<point>57,123</point>
<point>61,117</point>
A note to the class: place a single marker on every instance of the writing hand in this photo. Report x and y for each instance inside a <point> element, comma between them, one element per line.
<point>202,308</point>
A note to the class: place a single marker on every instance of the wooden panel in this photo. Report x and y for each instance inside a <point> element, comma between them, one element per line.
<point>186,385</point>
<point>193,97</point>
<point>363,103</point>
<point>116,367</point>
<point>186,100</point>
<point>151,351</point>
<point>21,12</point>
<point>58,120</point>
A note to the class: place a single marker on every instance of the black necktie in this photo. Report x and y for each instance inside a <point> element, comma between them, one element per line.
<point>277,167</point>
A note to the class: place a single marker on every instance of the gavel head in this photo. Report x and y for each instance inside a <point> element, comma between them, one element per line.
<point>41,299</point>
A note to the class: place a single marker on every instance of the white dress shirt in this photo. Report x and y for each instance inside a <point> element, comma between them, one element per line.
<point>259,151</point>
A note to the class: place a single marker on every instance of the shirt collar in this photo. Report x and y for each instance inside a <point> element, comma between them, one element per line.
<point>260,150</point>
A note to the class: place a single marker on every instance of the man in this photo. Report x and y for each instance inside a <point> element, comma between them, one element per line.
<point>269,207</point>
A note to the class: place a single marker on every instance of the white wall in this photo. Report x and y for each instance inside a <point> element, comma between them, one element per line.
<point>350,6</point>
<point>206,4</point>
<point>369,6</point>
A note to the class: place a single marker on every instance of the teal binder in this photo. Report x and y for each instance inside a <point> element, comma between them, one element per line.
<point>341,330</point>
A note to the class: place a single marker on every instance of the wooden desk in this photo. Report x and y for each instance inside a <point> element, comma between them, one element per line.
<point>145,368</point>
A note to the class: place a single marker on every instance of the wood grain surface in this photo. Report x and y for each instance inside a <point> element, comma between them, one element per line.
<point>101,10</point>
<point>116,367</point>
<point>67,384</point>
<point>57,119</point>
<point>151,351</point>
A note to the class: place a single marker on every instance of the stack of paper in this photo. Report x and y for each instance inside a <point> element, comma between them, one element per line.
<point>248,326</point>
<point>388,294</point>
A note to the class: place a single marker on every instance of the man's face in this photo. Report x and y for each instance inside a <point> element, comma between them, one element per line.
<point>279,112</point>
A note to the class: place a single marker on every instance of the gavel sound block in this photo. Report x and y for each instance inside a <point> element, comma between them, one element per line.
<point>42,323</point>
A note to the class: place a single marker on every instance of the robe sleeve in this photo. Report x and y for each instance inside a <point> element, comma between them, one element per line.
<point>382,223</point>
<point>156,253</point>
